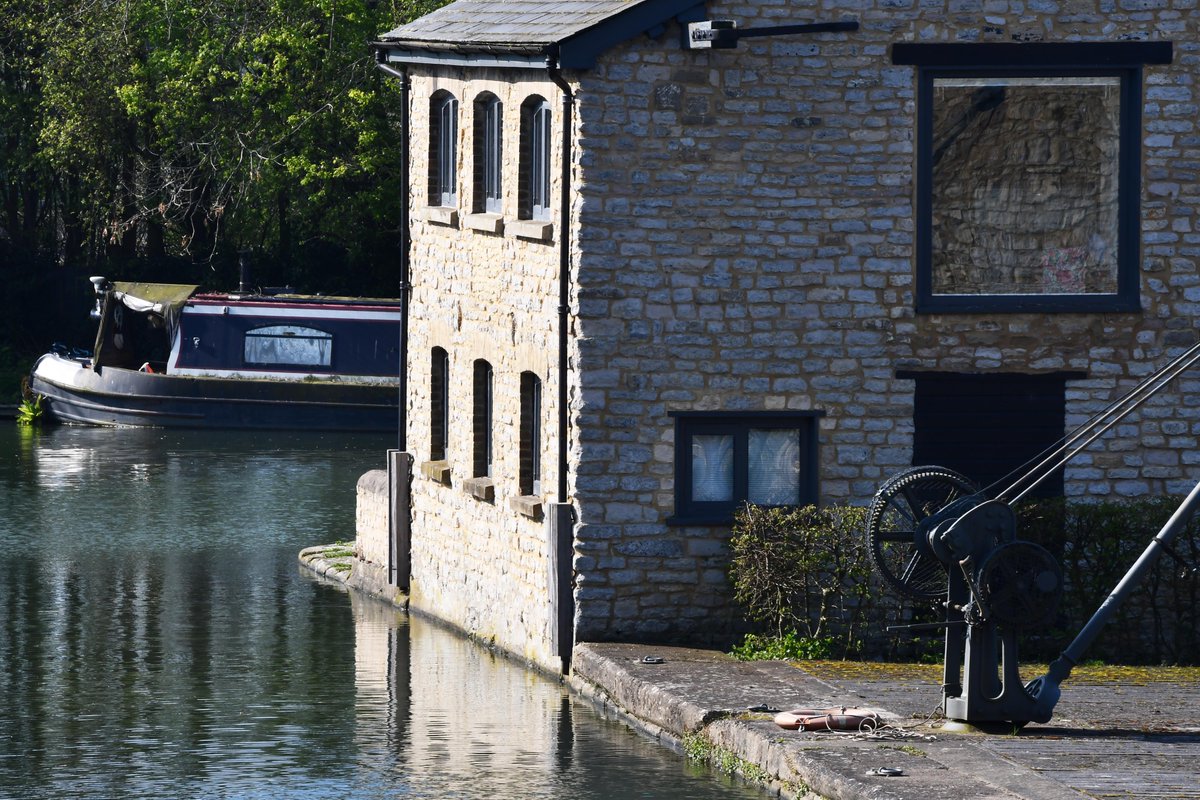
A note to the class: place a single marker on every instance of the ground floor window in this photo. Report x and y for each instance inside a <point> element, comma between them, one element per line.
<point>482,419</point>
<point>531,435</point>
<point>439,403</point>
<point>723,460</point>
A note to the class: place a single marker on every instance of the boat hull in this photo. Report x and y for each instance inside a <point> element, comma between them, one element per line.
<point>111,396</point>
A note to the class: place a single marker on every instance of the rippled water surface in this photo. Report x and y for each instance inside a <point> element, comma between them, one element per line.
<point>158,640</point>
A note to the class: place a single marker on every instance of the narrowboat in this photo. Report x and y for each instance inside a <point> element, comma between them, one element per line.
<point>171,355</point>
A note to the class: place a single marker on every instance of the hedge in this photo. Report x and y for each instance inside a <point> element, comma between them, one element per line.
<point>805,580</point>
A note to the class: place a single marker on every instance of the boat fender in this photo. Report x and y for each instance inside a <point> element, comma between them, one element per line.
<point>828,719</point>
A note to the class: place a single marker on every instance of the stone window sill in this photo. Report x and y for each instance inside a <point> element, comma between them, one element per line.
<point>529,505</point>
<point>488,223</point>
<point>537,230</point>
<point>437,471</point>
<point>442,215</point>
<point>480,488</point>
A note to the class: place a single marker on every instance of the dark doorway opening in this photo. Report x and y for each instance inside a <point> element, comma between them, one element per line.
<point>988,425</point>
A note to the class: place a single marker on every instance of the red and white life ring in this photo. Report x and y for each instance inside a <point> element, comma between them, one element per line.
<point>828,719</point>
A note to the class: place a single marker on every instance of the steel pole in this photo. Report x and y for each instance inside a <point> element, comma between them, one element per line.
<point>1045,689</point>
<point>1174,525</point>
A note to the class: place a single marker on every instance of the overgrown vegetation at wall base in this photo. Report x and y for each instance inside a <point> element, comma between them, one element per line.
<point>790,646</point>
<point>1096,544</point>
<point>805,578</point>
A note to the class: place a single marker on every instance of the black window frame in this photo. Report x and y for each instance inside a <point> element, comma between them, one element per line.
<point>530,473</point>
<point>483,449</point>
<point>1124,60</point>
<point>738,424</point>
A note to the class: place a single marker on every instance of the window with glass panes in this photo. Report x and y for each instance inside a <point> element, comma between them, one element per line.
<point>1028,174</point>
<point>482,419</point>
<point>535,159</point>
<point>443,149</point>
<point>723,460</point>
<point>531,434</point>
<point>439,403</point>
<point>488,139</point>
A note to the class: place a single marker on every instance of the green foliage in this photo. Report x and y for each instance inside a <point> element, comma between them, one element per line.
<point>195,128</point>
<point>805,577</point>
<point>803,573</point>
<point>31,409</point>
<point>791,646</point>
<point>1096,544</point>
<point>697,748</point>
<point>30,412</point>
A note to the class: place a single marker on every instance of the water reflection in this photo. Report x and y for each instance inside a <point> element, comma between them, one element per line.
<point>465,722</point>
<point>158,639</point>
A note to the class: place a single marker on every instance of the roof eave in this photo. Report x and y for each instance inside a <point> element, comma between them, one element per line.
<point>576,51</point>
<point>463,54</point>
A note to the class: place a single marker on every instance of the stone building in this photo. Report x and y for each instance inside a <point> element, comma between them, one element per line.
<point>657,268</point>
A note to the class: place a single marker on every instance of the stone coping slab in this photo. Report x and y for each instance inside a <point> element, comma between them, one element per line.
<point>681,693</point>
<point>338,562</point>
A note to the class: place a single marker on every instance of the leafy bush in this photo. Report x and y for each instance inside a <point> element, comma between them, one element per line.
<point>804,575</point>
<point>791,646</point>
<point>1096,544</point>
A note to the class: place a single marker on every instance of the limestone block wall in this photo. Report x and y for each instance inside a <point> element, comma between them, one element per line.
<point>485,287</point>
<point>747,243</point>
<point>743,239</point>
<point>371,517</point>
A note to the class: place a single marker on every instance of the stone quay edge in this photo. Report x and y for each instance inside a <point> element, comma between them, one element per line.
<point>1114,740</point>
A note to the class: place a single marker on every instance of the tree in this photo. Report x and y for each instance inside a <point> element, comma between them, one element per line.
<point>144,132</point>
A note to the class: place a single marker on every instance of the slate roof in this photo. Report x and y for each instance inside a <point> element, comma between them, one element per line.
<point>536,27</point>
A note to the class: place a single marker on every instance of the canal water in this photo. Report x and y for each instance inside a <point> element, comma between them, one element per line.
<point>159,640</point>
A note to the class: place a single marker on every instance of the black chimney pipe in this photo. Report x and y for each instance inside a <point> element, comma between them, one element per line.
<point>243,271</point>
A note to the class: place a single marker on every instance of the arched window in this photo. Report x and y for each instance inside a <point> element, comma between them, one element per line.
<point>488,139</point>
<point>535,159</point>
<point>482,420</point>
<point>443,149</point>
<point>531,434</point>
<point>439,404</point>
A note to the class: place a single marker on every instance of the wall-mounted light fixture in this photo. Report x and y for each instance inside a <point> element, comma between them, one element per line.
<point>723,34</point>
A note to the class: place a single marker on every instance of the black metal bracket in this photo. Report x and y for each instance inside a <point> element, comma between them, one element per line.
<point>724,34</point>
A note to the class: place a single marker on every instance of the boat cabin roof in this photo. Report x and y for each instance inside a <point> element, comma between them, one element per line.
<point>156,297</point>
<point>167,299</point>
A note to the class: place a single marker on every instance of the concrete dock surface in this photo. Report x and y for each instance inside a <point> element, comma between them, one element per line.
<point>1112,736</point>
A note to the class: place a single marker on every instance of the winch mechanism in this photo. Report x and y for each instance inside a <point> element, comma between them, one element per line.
<point>936,537</point>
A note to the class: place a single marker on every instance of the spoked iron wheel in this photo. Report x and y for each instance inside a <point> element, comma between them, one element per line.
<point>895,534</point>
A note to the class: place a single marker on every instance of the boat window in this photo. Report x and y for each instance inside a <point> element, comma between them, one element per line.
<point>289,345</point>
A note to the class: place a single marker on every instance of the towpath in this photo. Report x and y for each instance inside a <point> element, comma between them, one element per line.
<point>1110,738</point>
